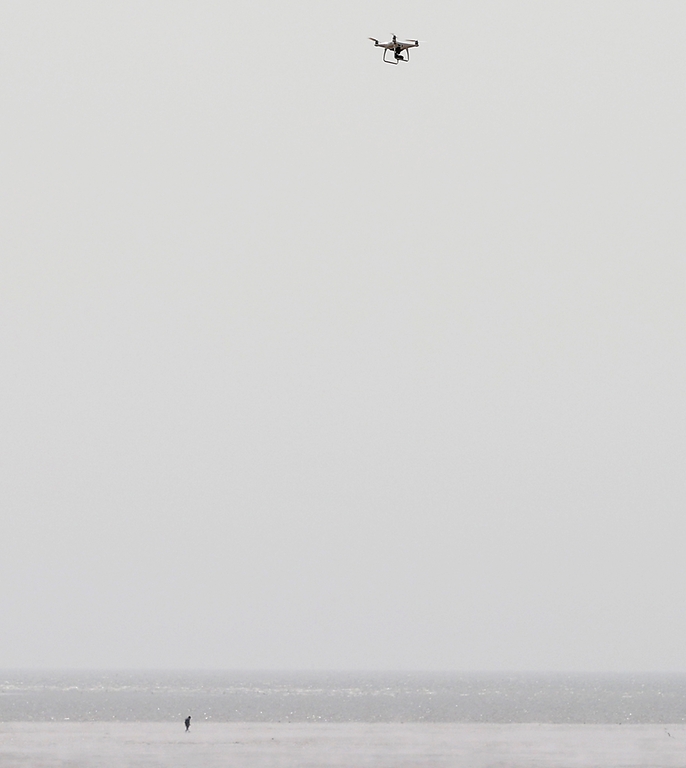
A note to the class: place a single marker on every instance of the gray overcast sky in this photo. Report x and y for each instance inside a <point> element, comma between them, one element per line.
<point>313,362</point>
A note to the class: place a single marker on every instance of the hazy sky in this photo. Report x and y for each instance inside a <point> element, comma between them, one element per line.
<point>313,362</point>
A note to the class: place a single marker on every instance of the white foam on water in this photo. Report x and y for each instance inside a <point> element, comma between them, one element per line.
<point>339,745</point>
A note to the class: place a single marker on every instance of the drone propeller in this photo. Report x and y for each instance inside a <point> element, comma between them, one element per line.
<point>374,40</point>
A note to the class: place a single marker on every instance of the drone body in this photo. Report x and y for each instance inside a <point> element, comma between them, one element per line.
<point>396,47</point>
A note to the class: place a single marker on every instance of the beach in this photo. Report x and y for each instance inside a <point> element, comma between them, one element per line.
<point>339,745</point>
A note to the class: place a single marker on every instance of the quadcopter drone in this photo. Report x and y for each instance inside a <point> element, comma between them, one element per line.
<point>397,48</point>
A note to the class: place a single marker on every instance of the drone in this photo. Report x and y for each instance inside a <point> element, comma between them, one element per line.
<point>397,47</point>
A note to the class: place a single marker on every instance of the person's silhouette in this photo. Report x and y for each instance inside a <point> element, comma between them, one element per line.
<point>188,722</point>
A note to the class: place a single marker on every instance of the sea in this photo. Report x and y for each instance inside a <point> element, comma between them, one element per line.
<point>341,697</point>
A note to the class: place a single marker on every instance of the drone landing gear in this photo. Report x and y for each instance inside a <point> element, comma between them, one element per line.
<point>397,56</point>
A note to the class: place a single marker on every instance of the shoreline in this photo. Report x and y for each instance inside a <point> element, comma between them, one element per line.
<point>339,745</point>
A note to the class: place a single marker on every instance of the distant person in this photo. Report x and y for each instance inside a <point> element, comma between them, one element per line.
<point>188,723</point>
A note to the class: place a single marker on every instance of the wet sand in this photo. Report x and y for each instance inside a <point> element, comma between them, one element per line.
<point>350,745</point>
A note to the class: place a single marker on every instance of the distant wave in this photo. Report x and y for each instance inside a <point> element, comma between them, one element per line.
<point>342,697</point>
